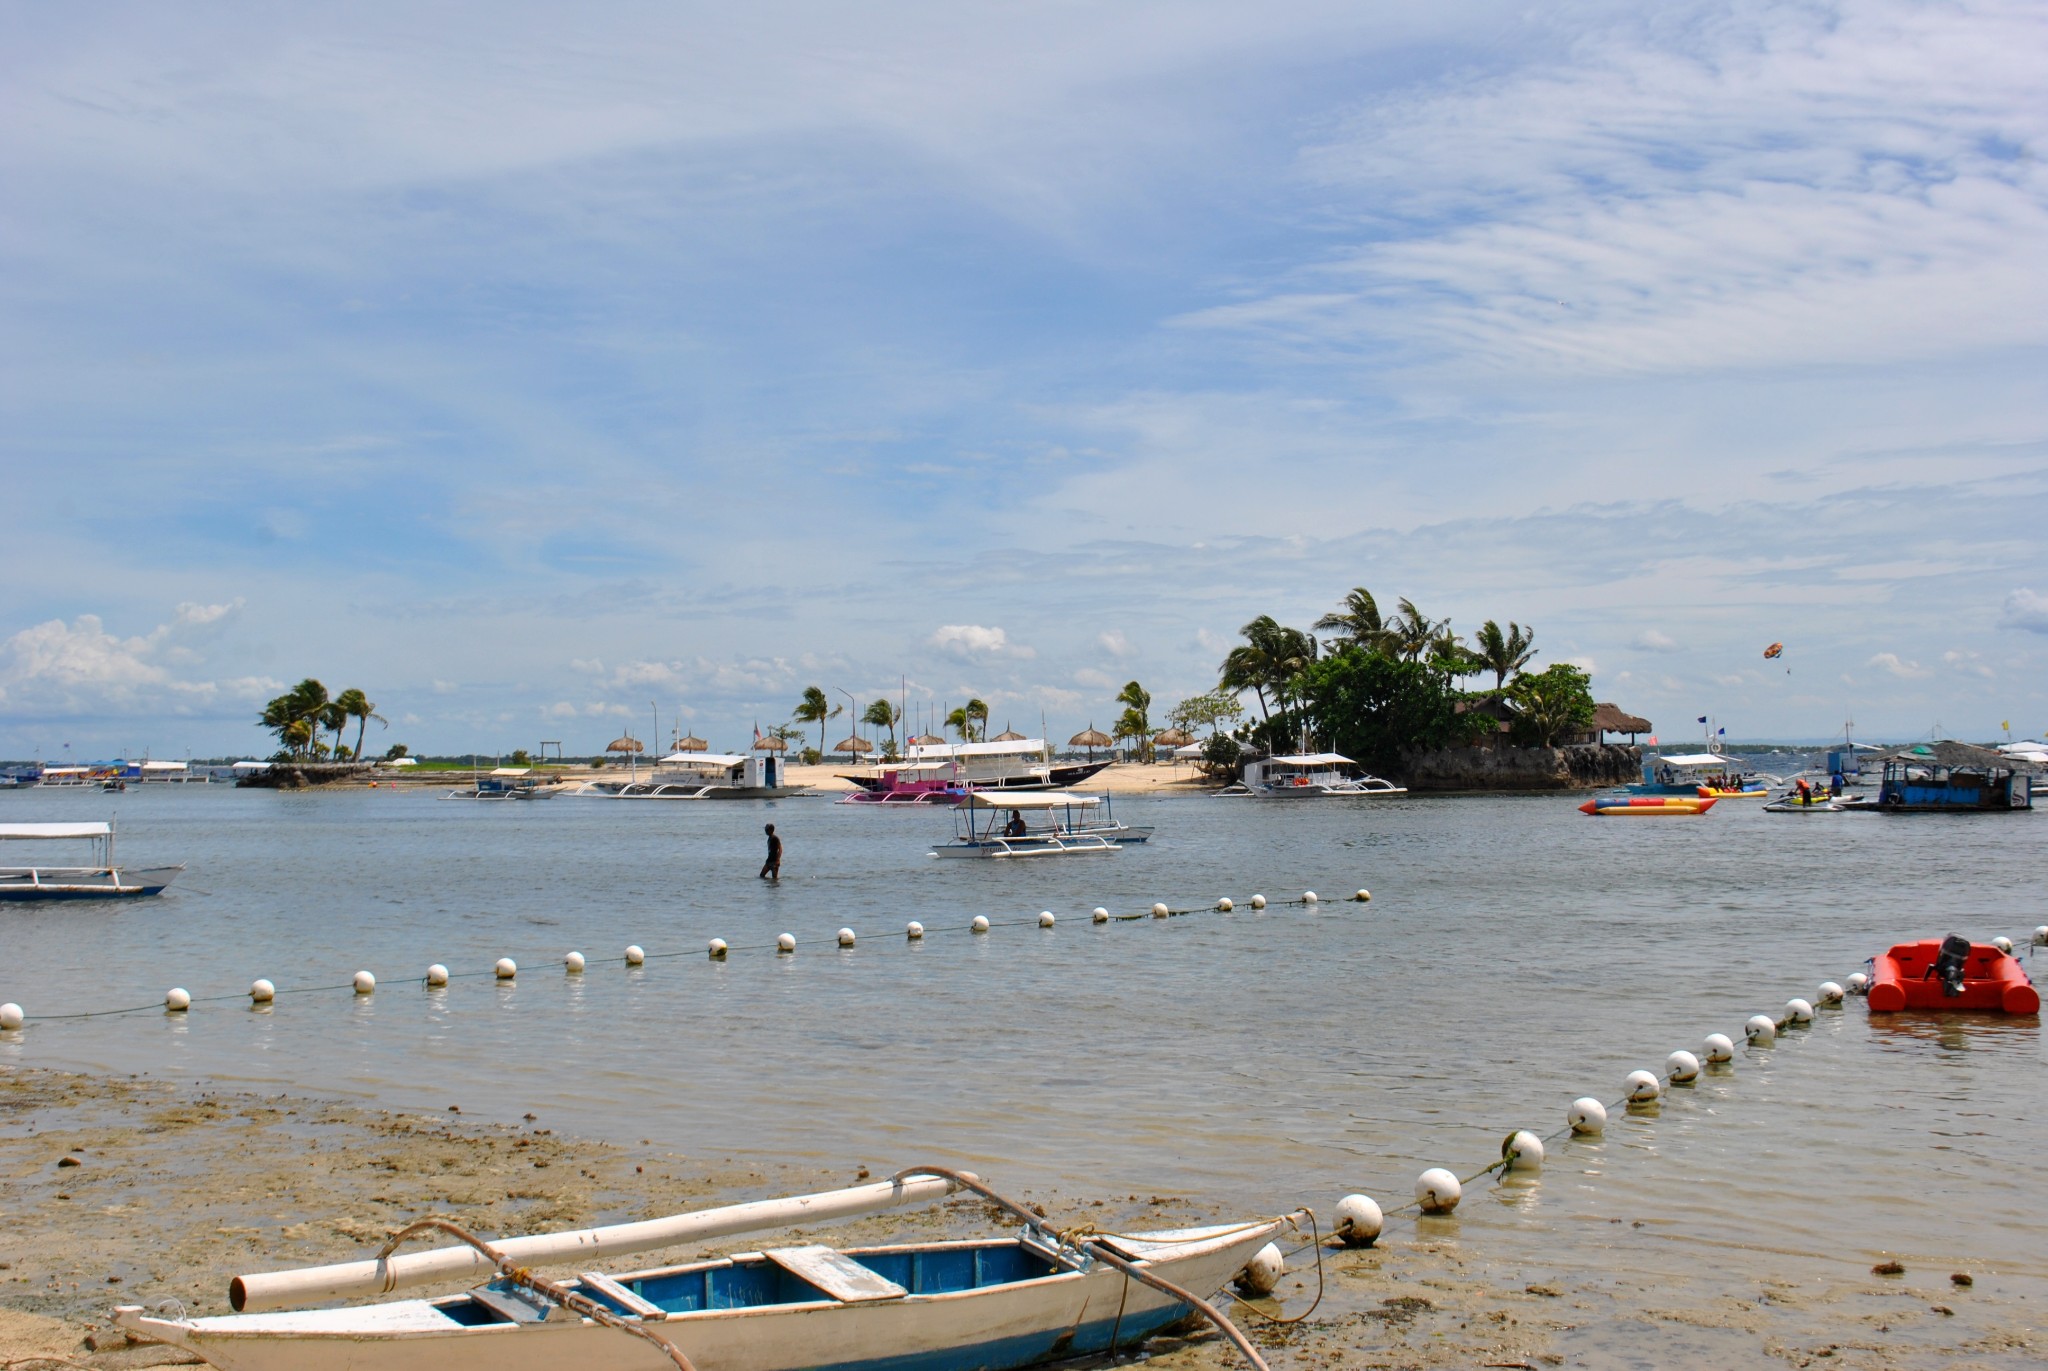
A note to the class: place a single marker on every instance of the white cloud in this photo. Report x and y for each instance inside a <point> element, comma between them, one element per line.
<point>445,687</point>
<point>1968,663</point>
<point>1210,641</point>
<point>1115,643</point>
<point>974,640</point>
<point>2027,609</point>
<point>79,667</point>
<point>1905,670</point>
<point>1650,640</point>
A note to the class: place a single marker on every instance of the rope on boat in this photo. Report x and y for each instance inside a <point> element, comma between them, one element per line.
<point>1316,1241</point>
<point>1131,1270</point>
<point>539,1285</point>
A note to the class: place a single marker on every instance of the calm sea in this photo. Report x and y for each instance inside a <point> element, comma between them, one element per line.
<point>1516,954</point>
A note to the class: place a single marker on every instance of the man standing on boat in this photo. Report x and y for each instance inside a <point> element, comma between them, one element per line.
<point>771,870</point>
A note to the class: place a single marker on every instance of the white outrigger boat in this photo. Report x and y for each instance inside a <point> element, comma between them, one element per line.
<point>101,881</point>
<point>1036,824</point>
<point>1309,776</point>
<point>700,776</point>
<point>987,1304</point>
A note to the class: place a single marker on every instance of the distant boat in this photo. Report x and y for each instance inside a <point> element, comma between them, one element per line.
<point>1953,778</point>
<point>1043,824</point>
<point>939,773</point>
<point>1703,775</point>
<point>101,881</point>
<point>1309,776</point>
<point>700,776</point>
<point>511,783</point>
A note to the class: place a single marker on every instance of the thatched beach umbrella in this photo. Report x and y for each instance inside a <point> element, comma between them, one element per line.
<point>1091,739</point>
<point>1008,735</point>
<point>927,740</point>
<point>1173,737</point>
<point>852,745</point>
<point>692,744</point>
<point>764,743</point>
<point>630,746</point>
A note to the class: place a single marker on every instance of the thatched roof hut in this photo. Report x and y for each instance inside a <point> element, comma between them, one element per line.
<point>1609,718</point>
<point>692,744</point>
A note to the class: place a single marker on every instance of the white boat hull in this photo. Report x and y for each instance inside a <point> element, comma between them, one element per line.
<point>84,883</point>
<point>988,1328</point>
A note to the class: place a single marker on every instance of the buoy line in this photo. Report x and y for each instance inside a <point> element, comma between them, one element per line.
<point>264,992</point>
<point>1360,1222</point>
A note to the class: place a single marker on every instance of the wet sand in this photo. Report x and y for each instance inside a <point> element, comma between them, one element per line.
<point>137,1191</point>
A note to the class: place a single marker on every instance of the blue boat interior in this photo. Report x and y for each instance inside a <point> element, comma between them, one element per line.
<point>758,1283</point>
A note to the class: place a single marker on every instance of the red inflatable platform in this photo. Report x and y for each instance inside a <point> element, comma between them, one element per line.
<point>1992,980</point>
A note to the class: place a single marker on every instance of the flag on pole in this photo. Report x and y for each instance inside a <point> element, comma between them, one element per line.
<point>1702,718</point>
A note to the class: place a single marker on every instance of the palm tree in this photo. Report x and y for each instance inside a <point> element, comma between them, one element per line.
<point>356,705</point>
<point>298,715</point>
<point>815,708</point>
<point>1136,722</point>
<point>970,721</point>
<point>1416,633</point>
<point>1503,653</point>
<point>883,714</point>
<point>1359,622</point>
<point>1271,656</point>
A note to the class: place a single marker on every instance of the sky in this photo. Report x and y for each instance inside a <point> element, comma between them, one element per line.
<point>553,374</point>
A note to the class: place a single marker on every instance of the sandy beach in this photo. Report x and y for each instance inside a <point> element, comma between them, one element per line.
<point>136,1191</point>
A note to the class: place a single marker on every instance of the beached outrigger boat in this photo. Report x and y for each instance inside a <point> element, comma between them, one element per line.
<point>101,881</point>
<point>511,783</point>
<point>1309,776</point>
<point>1040,824</point>
<point>983,1305</point>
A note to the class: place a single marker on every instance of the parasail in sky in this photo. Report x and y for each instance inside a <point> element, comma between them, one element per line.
<point>1773,651</point>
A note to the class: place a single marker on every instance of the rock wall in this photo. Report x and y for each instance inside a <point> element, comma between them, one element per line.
<point>1583,767</point>
<point>299,775</point>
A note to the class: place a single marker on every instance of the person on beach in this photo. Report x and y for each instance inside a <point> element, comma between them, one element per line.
<point>771,870</point>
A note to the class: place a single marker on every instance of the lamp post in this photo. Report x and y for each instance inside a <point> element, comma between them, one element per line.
<point>852,719</point>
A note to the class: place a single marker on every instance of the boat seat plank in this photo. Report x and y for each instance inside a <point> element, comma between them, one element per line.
<point>598,1283</point>
<point>835,1273</point>
<point>510,1306</point>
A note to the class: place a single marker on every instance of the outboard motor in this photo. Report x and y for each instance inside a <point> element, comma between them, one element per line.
<point>1955,951</point>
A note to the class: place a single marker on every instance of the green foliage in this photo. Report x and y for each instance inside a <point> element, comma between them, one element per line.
<point>299,715</point>
<point>1220,754</point>
<point>970,721</point>
<point>1214,710</point>
<point>519,757</point>
<point>1554,703</point>
<point>395,751</point>
<point>1359,623</point>
<point>884,714</point>
<point>1268,662</point>
<point>1135,723</point>
<point>1503,653</point>
<point>815,708</point>
<point>1375,708</point>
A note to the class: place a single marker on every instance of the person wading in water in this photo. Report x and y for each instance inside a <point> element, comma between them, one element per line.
<point>771,870</point>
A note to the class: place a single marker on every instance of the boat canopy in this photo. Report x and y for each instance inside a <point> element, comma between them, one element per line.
<point>98,830</point>
<point>1697,759</point>
<point>719,759</point>
<point>1033,799</point>
<point>510,770</point>
<point>1022,747</point>
<point>1312,759</point>
<point>250,766</point>
<point>65,770</point>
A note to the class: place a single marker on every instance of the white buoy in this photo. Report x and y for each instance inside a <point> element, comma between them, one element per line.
<point>1586,1115</point>
<point>1761,1030</point>
<point>1045,918</point>
<point>365,983</point>
<point>437,974</point>
<point>1309,897</point>
<point>1160,911</point>
<point>913,930</point>
<point>1263,1271</point>
<point>1830,993</point>
<point>1438,1191</point>
<point>1363,896</point>
<point>846,938</point>
<point>574,963</point>
<point>2041,936</point>
<point>177,999</point>
<point>636,955</point>
<point>1642,1087</point>
<point>262,991</point>
<point>716,949</point>
<point>505,969</point>
<point>980,924</point>
<point>1798,1011</point>
<point>1681,1068</point>
<point>1358,1220</point>
<point>785,942</point>
<point>1522,1151</point>
<point>11,1016</point>
<point>1859,984</point>
<point>1098,915</point>
<point>1258,902</point>
<point>2003,944</point>
<point>1719,1047</point>
<point>1223,905</point>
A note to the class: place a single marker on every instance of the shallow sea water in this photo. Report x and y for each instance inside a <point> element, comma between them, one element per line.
<point>1515,955</point>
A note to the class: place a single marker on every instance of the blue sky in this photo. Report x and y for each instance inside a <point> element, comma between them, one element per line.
<point>529,370</point>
